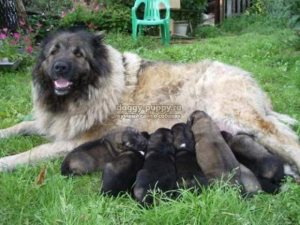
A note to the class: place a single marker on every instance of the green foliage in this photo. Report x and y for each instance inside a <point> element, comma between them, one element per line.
<point>16,48</point>
<point>53,7</point>
<point>42,25</point>
<point>294,21</point>
<point>8,50</point>
<point>257,7</point>
<point>196,5</point>
<point>191,10</point>
<point>115,18</point>
<point>207,31</point>
<point>283,12</point>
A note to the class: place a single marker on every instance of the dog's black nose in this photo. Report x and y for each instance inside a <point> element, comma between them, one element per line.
<point>61,67</point>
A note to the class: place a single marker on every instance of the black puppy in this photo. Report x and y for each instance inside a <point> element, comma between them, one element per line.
<point>92,156</point>
<point>120,174</point>
<point>189,174</point>
<point>159,166</point>
<point>267,167</point>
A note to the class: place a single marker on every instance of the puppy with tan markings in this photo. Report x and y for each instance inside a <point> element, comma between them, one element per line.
<point>249,181</point>
<point>189,174</point>
<point>88,157</point>
<point>159,166</point>
<point>267,167</point>
<point>120,174</point>
<point>92,156</point>
<point>213,154</point>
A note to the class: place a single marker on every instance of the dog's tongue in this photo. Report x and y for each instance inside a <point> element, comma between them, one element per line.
<point>62,83</point>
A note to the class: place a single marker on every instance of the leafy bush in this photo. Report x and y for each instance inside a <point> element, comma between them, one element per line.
<point>294,20</point>
<point>114,18</point>
<point>42,25</point>
<point>53,7</point>
<point>286,12</point>
<point>16,46</point>
<point>191,10</point>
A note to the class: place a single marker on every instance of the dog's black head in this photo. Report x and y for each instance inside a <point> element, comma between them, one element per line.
<point>162,141</point>
<point>134,140</point>
<point>183,137</point>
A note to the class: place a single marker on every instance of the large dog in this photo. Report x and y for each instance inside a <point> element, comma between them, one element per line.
<point>82,88</point>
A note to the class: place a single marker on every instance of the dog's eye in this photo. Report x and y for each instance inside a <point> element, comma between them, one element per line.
<point>78,53</point>
<point>55,49</point>
<point>53,52</point>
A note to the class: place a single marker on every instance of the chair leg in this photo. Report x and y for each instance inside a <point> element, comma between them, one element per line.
<point>167,34</point>
<point>134,31</point>
<point>163,33</point>
<point>141,30</point>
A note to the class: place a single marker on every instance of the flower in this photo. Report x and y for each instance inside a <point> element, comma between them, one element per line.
<point>63,14</point>
<point>16,36</point>
<point>3,36</point>
<point>97,8</point>
<point>22,22</point>
<point>26,39</point>
<point>29,49</point>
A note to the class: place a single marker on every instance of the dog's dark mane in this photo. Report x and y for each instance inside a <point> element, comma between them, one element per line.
<point>99,63</point>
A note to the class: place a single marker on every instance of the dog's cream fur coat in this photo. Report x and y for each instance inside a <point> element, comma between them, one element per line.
<point>228,94</point>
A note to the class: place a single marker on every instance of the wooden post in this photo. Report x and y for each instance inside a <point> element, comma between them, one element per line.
<point>229,8</point>
<point>234,7</point>
<point>243,5</point>
<point>238,8</point>
<point>217,11</point>
<point>222,10</point>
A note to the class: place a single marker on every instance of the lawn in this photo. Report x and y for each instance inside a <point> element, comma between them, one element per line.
<point>268,51</point>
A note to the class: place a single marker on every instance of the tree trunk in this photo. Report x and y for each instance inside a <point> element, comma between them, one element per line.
<point>8,15</point>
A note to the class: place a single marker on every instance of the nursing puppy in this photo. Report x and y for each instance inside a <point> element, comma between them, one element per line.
<point>189,174</point>
<point>267,167</point>
<point>92,156</point>
<point>213,154</point>
<point>88,157</point>
<point>159,166</point>
<point>249,182</point>
<point>120,174</point>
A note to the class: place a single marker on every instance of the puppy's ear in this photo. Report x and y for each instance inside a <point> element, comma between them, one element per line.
<point>145,135</point>
<point>197,114</point>
<point>190,121</point>
<point>227,136</point>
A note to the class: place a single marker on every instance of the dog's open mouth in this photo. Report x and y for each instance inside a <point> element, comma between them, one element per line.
<point>62,86</point>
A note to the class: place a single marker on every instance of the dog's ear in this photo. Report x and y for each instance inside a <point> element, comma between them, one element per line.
<point>227,136</point>
<point>189,122</point>
<point>98,37</point>
<point>146,135</point>
<point>197,114</point>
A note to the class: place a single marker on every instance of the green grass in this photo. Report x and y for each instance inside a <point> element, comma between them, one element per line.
<point>268,53</point>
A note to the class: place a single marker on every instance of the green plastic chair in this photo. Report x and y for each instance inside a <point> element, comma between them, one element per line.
<point>151,17</point>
